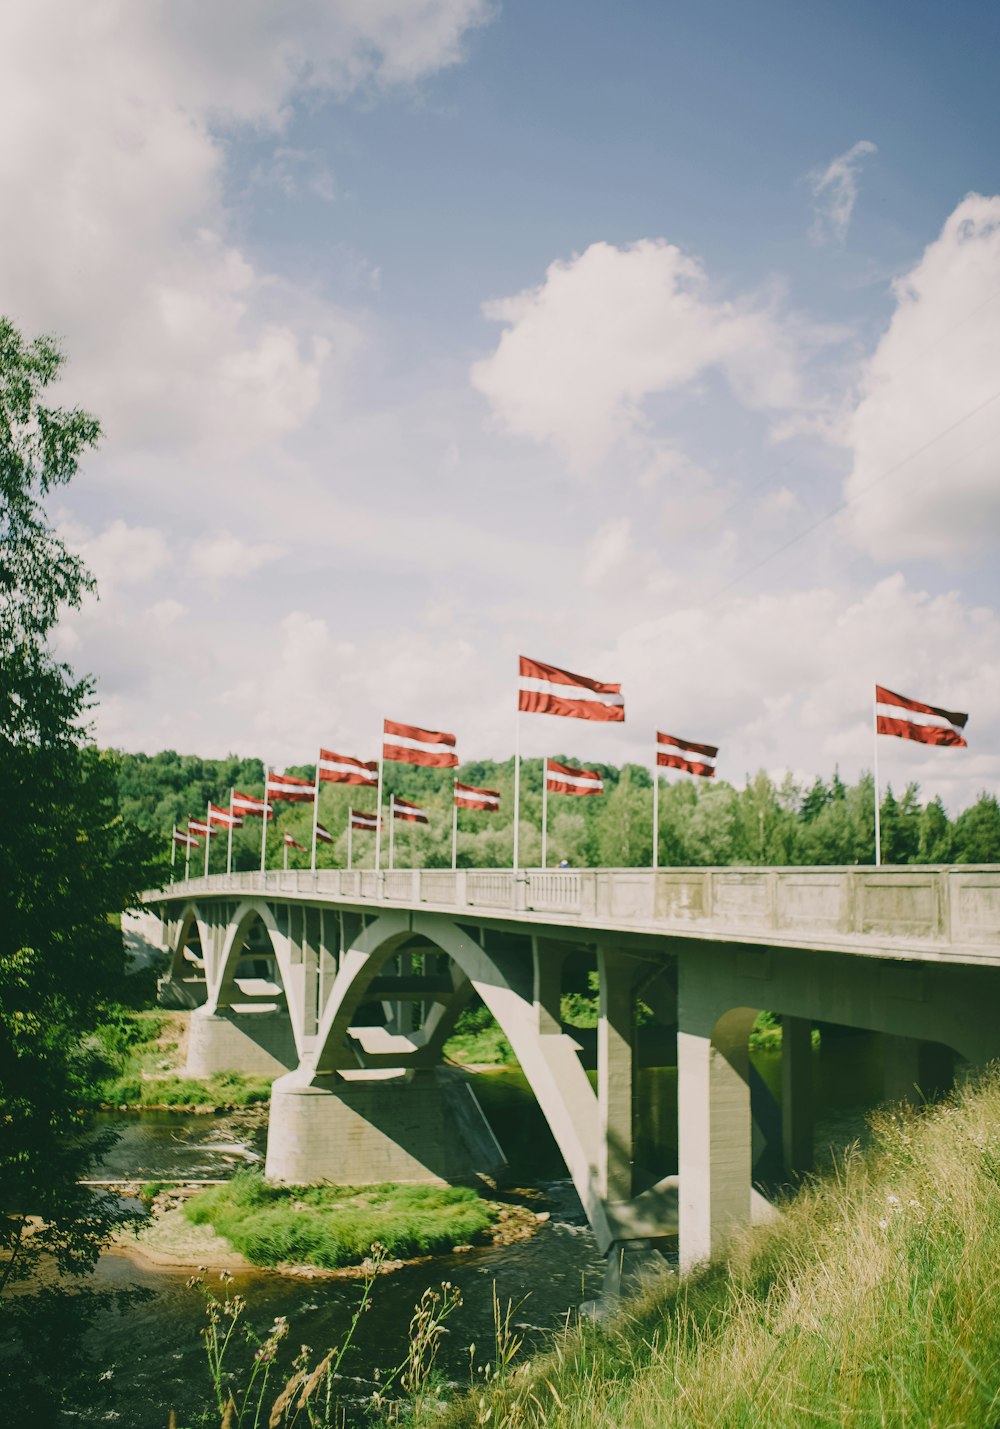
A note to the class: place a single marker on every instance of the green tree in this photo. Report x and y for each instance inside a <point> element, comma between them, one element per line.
<point>977,832</point>
<point>68,865</point>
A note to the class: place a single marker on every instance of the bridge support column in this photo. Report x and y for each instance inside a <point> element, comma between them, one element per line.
<point>257,1044</point>
<point>796,1095</point>
<point>900,1068</point>
<point>417,1128</point>
<point>616,980</point>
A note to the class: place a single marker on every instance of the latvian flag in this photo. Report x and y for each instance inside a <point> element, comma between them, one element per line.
<point>324,835</point>
<point>361,820</point>
<point>408,744</point>
<point>200,829</point>
<point>911,719</point>
<point>249,806</point>
<point>224,817</point>
<point>341,769</point>
<point>185,840</point>
<point>287,786</point>
<point>408,812</point>
<point>674,753</point>
<point>293,843</point>
<point>562,779</point>
<point>466,797</point>
<point>545,689</point>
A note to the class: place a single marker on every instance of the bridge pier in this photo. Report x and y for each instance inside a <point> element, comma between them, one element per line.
<point>423,1127</point>
<point>258,1044</point>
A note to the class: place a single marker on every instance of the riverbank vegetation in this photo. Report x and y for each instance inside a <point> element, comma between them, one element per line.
<point>703,822</point>
<point>873,1300</point>
<point>334,1226</point>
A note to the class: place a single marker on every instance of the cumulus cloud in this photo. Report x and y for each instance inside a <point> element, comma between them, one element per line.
<point>225,557</point>
<point>609,328</point>
<point>123,243</point>
<point>925,434</point>
<point>835,192</point>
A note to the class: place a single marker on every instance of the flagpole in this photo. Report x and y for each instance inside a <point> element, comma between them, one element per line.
<point>350,834</point>
<point>263,832</point>
<point>454,829</point>
<point>545,811</point>
<point>517,785</point>
<point>173,851</point>
<point>878,829</point>
<point>187,857</point>
<point>315,813</point>
<point>285,848</point>
<point>392,829</point>
<point>208,833</point>
<point>378,811</point>
<point>229,839</point>
<point>656,813</point>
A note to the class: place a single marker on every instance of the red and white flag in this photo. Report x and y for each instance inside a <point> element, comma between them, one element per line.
<point>409,744</point>
<point>361,820</point>
<point>408,812</point>
<point>250,807</point>
<point>545,689</point>
<point>289,787</point>
<point>200,828</point>
<point>674,753</point>
<point>563,779</point>
<point>912,719</point>
<point>341,769</point>
<point>293,843</point>
<point>324,835</point>
<point>185,840</point>
<point>226,817</point>
<point>466,797</point>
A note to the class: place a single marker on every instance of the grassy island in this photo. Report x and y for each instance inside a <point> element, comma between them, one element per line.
<point>334,1226</point>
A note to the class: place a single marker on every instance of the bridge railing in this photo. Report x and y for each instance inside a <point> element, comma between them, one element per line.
<point>944,904</point>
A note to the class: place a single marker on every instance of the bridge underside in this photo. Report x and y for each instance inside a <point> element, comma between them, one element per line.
<point>350,1010</point>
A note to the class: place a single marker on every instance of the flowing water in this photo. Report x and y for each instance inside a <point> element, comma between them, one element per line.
<point>154,1350</point>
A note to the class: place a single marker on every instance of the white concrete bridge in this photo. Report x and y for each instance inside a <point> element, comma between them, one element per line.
<point>347,985</point>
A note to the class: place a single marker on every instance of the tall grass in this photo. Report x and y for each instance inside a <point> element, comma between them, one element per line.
<point>875,1300</point>
<point>332,1226</point>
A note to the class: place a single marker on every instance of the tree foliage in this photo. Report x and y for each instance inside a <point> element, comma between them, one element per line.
<point>69,863</point>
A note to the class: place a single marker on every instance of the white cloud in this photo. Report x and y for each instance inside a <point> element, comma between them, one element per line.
<point>608,550</point>
<point>226,557</point>
<point>120,554</point>
<point>613,326</point>
<point>123,241</point>
<point>835,191</point>
<point>925,480</point>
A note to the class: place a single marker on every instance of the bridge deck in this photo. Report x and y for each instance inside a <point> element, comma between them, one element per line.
<point>932,913</point>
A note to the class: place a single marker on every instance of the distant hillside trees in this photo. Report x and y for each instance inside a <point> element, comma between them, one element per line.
<point>702,822</point>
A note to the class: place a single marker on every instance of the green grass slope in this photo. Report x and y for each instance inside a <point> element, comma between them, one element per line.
<point>875,1300</point>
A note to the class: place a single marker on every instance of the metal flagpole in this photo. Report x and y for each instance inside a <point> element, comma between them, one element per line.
<point>208,833</point>
<point>656,812</point>
<point>878,830</point>
<point>454,829</point>
<point>187,857</point>
<point>350,832</point>
<point>173,851</point>
<point>285,848</point>
<point>263,832</point>
<point>229,837</point>
<point>517,787</point>
<point>315,813</point>
<point>545,812</point>
<point>392,829</point>
<point>378,812</point>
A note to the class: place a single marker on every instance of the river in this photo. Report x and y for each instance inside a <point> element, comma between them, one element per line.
<point>155,1354</point>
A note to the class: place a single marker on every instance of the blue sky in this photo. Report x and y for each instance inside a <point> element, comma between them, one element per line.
<point>426,333</point>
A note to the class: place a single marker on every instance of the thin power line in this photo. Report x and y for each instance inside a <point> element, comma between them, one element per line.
<point>850,501</point>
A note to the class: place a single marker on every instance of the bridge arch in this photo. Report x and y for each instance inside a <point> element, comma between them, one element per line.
<point>187,976</point>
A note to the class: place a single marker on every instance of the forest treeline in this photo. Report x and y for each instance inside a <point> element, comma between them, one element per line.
<point>702,822</point>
